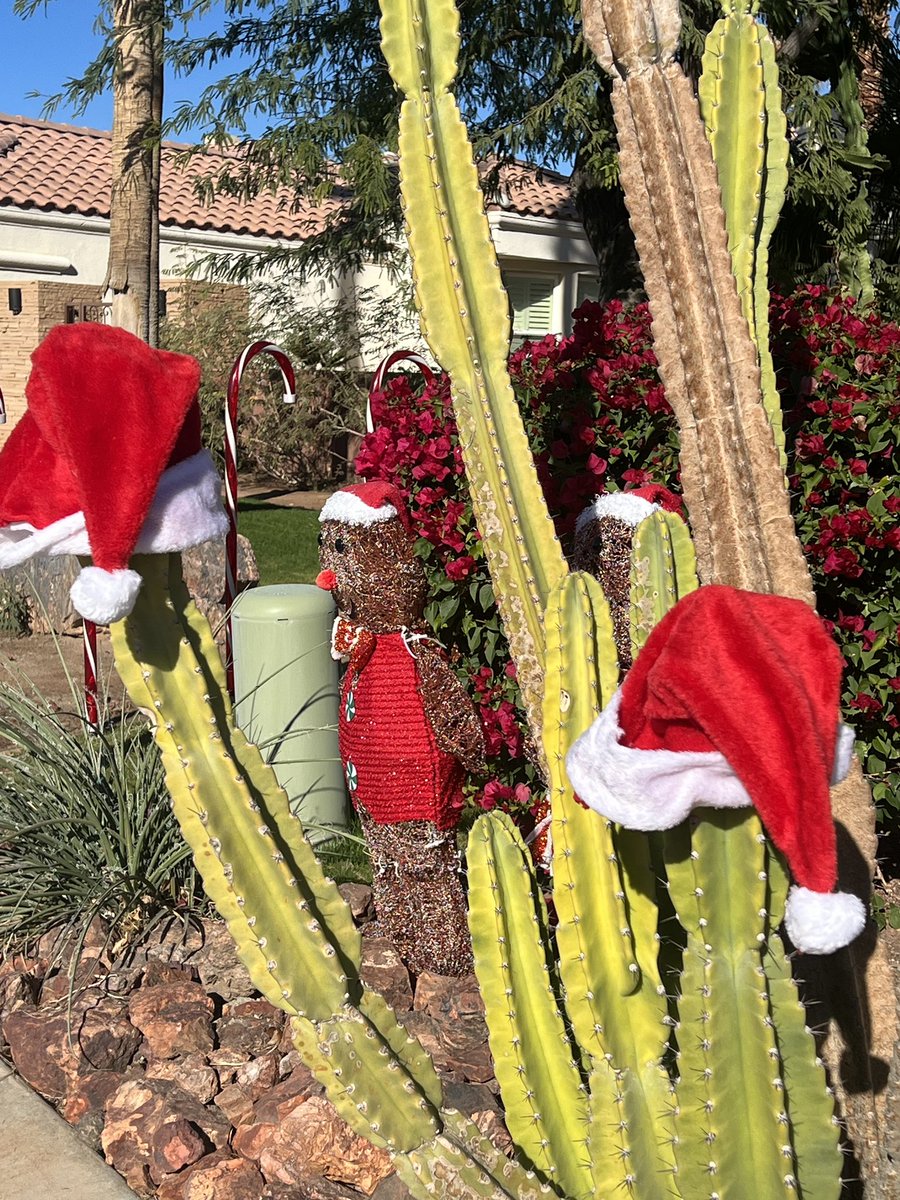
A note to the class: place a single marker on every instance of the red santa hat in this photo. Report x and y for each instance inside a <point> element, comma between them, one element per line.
<point>631,507</point>
<point>107,462</point>
<point>733,701</point>
<point>366,504</point>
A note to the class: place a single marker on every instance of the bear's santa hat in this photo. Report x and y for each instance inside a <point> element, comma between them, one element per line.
<point>107,462</point>
<point>366,504</point>
<point>733,701</point>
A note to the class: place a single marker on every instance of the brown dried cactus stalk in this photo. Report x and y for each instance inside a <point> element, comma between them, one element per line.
<point>733,484</point>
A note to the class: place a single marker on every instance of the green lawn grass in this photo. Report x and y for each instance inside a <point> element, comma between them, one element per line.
<point>283,539</point>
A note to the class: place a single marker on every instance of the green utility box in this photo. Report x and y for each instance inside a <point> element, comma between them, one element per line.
<point>287,694</point>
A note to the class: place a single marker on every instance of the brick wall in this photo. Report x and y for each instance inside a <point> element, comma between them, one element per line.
<point>45,303</point>
<point>195,296</point>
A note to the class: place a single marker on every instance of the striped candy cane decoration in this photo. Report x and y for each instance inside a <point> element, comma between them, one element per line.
<point>89,640</point>
<point>387,365</point>
<point>231,479</point>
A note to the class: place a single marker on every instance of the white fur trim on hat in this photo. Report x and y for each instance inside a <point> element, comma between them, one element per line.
<point>105,596</point>
<point>350,510</point>
<point>647,789</point>
<point>822,922</point>
<point>186,510</point>
<point>843,753</point>
<point>623,506</point>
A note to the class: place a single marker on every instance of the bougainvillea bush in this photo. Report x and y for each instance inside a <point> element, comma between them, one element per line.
<point>597,419</point>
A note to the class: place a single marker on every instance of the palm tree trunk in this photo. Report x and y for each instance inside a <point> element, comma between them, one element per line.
<point>132,277</point>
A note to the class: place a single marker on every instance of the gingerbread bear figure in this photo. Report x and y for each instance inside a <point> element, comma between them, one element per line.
<point>408,732</point>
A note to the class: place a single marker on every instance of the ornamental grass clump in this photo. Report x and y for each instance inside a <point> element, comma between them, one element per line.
<point>86,827</point>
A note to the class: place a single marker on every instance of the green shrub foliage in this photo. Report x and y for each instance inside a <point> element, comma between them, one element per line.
<point>597,419</point>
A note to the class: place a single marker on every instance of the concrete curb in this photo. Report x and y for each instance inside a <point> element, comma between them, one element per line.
<point>41,1157</point>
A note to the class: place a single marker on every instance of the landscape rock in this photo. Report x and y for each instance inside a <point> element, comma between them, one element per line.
<point>315,1188</point>
<point>455,1013</point>
<point>473,1064</point>
<point>253,1026</point>
<point>236,1104</point>
<point>256,1131</point>
<point>176,1143</point>
<point>18,989</point>
<point>46,1052</point>
<point>229,1179</point>
<point>87,1094</point>
<point>158,971</point>
<point>382,969</point>
<point>175,1018</point>
<point>57,986</point>
<point>313,1140</point>
<point>359,900</point>
<point>35,1042</point>
<point>193,1074</point>
<point>225,1060</point>
<point>217,965</point>
<point>392,1188</point>
<point>258,1075</point>
<point>280,1100</point>
<point>135,1140</point>
<point>204,574</point>
<point>174,1187</point>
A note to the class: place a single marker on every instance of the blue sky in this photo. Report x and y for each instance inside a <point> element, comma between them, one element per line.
<point>57,43</point>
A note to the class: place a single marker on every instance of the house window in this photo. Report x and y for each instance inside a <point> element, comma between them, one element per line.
<point>588,289</point>
<point>531,304</point>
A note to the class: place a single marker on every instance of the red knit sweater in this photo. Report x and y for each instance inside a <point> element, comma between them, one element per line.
<point>395,769</point>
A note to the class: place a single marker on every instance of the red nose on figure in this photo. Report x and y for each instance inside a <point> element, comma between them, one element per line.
<point>326,580</point>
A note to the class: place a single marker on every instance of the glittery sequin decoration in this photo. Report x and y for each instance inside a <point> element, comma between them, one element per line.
<point>603,549</point>
<point>407,730</point>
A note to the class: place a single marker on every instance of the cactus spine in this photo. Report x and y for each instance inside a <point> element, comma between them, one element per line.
<point>465,319</point>
<point>293,930</point>
<point>740,102</point>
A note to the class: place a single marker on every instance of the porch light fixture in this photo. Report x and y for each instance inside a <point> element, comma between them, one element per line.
<point>14,296</point>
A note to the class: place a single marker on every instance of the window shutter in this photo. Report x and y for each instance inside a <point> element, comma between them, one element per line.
<point>531,302</point>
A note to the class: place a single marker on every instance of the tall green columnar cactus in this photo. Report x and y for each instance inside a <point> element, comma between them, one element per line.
<point>293,930</point>
<point>713,1090</point>
<point>465,319</point>
<point>740,102</point>
<point>663,569</point>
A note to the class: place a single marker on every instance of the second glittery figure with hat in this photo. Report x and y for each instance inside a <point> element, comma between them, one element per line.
<point>408,731</point>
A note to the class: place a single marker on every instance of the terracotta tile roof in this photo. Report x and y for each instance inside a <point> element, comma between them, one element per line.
<point>534,192</point>
<point>63,168</point>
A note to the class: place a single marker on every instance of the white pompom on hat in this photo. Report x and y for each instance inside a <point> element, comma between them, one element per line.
<point>107,462</point>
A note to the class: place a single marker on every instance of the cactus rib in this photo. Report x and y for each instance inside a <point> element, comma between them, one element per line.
<point>543,1094</point>
<point>740,102</point>
<point>663,569</point>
